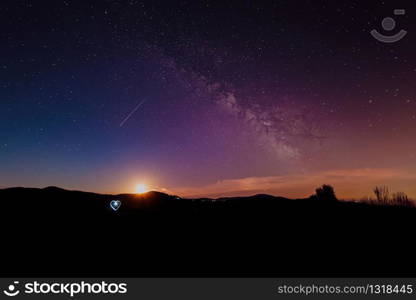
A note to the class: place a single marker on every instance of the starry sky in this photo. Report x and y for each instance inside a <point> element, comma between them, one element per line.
<point>207,98</point>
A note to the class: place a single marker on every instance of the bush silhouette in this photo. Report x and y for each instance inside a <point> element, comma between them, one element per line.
<point>326,193</point>
<point>383,197</point>
<point>401,199</point>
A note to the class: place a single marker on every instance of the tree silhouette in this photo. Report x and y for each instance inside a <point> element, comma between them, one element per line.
<point>326,193</point>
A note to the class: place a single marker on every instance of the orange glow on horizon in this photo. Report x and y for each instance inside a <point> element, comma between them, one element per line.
<point>141,188</point>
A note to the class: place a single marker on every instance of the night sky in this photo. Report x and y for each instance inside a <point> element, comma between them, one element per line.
<point>207,98</point>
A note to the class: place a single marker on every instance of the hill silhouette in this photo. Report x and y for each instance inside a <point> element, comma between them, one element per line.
<point>56,232</point>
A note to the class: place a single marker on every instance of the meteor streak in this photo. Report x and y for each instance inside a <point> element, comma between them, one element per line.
<point>131,113</point>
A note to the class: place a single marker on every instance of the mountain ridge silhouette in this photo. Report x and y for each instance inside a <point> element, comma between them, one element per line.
<point>57,232</point>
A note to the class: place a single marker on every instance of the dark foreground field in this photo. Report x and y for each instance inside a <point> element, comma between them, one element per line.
<point>54,232</point>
